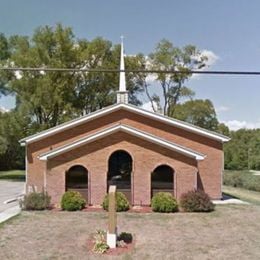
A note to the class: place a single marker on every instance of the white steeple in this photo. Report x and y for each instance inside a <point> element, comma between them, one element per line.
<point>122,94</point>
<point>122,85</point>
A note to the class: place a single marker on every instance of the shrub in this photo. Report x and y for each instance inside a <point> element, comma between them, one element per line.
<point>164,202</point>
<point>242,179</point>
<point>35,201</point>
<point>122,203</point>
<point>72,200</point>
<point>233,179</point>
<point>196,201</point>
<point>126,237</point>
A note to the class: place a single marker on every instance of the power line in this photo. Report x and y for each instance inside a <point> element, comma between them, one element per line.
<point>212,72</point>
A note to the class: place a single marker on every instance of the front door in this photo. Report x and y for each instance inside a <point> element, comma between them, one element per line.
<point>119,172</point>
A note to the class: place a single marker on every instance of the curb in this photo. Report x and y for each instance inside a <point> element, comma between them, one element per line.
<point>14,199</point>
<point>230,201</point>
<point>9,213</point>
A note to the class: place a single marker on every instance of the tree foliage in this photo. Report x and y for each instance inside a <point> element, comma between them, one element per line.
<point>13,126</point>
<point>243,151</point>
<point>54,97</point>
<point>168,57</point>
<point>4,55</point>
<point>198,112</point>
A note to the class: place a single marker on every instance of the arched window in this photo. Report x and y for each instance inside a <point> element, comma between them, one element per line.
<point>77,180</point>
<point>119,172</point>
<point>162,179</point>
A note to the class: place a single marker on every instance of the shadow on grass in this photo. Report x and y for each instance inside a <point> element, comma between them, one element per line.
<point>227,195</point>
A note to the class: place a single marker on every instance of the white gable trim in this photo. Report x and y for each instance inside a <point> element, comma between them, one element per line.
<point>131,108</point>
<point>126,129</point>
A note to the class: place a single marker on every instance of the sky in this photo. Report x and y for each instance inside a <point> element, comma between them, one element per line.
<point>228,31</point>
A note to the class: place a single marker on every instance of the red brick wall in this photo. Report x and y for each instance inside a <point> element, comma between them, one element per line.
<point>96,156</point>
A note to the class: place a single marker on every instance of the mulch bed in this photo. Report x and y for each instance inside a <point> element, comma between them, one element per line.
<point>144,209</point>
<point>93,209</point>
<point>111,251</point>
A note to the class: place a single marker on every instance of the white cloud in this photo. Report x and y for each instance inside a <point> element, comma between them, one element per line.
<point>3,109</point>
<point>151,78</point>
<point>222,109</point>
<point>236,124</point>
<point>148,106</point>
<point>212,59</point>
<point>18,74</point>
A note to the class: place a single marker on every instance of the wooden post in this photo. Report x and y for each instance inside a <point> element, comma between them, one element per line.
<point>112,210</point>
<point>111,234</point>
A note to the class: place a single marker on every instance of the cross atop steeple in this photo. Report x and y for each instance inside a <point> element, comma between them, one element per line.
<point>122,94</point>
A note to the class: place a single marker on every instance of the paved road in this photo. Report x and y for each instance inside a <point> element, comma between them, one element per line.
<point>9,190</point>
<point>255,172</point>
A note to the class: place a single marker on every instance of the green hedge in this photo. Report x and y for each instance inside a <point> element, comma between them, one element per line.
<point>122,203</point>
<point>242,179</point>
<point>72,201</point>
<point>164,202</point>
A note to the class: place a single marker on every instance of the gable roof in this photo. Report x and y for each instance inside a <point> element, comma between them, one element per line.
<point>129,130</point>
<point>127,107</point>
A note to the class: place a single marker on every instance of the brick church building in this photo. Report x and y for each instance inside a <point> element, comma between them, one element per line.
<point>139,151</point>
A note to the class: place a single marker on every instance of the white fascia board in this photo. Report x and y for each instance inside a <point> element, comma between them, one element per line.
<point>68,125</point>
<point>126,129</point>
<point>178,123</point>
<point>134,109</point>
<point>162,142</point>
<point>78,143</point>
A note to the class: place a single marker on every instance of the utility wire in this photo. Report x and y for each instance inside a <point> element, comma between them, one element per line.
<point>212,72</point>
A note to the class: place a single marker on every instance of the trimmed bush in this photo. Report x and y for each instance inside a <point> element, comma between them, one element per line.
<point>35,201</point>
<point>126,237</point>
<point>122,203</point>
<point>164,202</point>
<point>72,200</point>
<point>196,201</point>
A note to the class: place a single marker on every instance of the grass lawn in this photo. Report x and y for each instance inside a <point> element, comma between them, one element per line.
<point>242,179</point>
<point>16,175</point>
<point>243,194</point>
<point>243,185</point>
<point>227,233</point>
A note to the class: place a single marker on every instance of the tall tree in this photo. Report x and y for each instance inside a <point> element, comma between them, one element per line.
<point>243,151</point>
<point>43,93</point>
<point>13,126</point>
<point>198,112</point>
<point>97,90</point>
<point>223,129</point>
<point>54,97</point>
<point>4,55</point>
<point>168,57</point>
<point>45,99</point>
